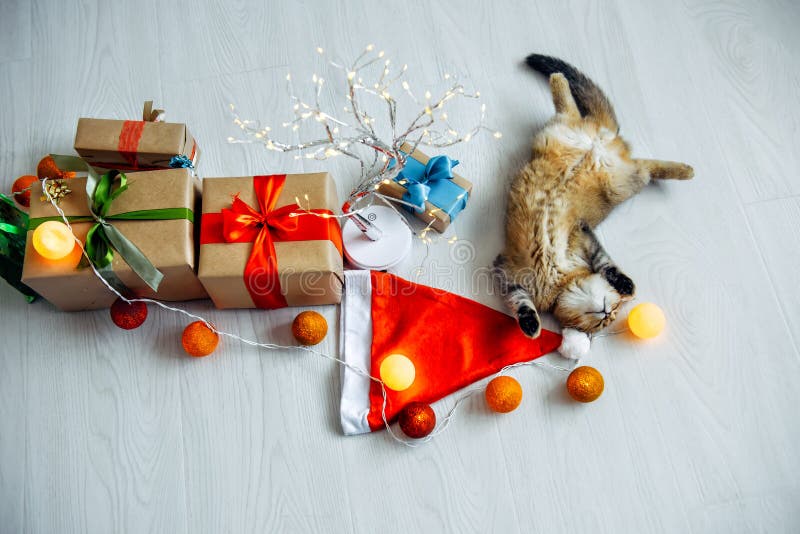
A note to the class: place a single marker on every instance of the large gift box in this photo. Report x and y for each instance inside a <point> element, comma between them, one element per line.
<point>430,188</point>
<point>152,210</point>
<point>136,145</point>
<point>260,249</point>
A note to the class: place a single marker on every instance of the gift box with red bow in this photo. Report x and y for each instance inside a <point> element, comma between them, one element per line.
<point>271,241</point>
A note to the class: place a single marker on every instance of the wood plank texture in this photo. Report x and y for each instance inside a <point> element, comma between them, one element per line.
<point>110,431</point>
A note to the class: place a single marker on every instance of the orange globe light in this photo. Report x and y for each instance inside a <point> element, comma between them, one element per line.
<point>585,384</point>
<point>309,328</point>
<point>503,394</point>
<point>199,340</point>
<point>646,320</point>
<point>53,240</point>
<point>397,372</point>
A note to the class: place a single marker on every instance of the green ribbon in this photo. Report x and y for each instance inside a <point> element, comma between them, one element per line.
<point>12,246</point>
<point>103,238</point>
<point>11,229</point>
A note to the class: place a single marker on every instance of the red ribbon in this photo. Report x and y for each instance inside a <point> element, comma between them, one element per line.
<point>243,224</point>
<point>129,137</point>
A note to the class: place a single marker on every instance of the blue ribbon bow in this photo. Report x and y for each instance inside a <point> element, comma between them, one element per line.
<point>432,183</point>
<point>181,162</point>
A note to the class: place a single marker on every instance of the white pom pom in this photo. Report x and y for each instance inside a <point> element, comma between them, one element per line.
<point>574,344</point>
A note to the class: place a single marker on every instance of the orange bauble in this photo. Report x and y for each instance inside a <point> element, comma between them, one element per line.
<point>417,420</point>
<point>585,384</point>
<point>128,315</point>
<point>47,168</point>
<point>20,189</point>
<point>199,340</point>
<point>503,394</point>
<point>309,328</point>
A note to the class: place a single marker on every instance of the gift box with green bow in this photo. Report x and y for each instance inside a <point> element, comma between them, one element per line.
<point>429,188</point>
<point>137,230</point>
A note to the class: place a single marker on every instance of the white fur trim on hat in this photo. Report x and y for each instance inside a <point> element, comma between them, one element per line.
<point>574,344</point>
<point>356,349</point>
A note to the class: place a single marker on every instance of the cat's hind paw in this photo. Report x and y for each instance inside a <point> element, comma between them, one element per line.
<point>529,322</point>
<point>620,282</point>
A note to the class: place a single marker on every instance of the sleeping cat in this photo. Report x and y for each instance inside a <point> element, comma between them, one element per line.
<point>581,169</point>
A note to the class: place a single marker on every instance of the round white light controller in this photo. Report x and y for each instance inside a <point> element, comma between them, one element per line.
<point>393,246</point>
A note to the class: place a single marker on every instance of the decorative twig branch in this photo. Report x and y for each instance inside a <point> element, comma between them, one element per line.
<point>340,136</point>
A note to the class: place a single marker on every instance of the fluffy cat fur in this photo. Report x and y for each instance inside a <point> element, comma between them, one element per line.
<point>580,170</point>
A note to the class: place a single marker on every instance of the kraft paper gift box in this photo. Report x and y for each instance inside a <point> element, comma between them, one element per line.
<point>259,249</point>
<point>167,243</point>
<point>136,145</point>
<point>429,183</point>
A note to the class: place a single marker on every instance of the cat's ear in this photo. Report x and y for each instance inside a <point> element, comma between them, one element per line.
<point>562,96</point>
<point>663,170</point>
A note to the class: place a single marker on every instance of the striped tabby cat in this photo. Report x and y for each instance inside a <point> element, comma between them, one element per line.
<point>581,169</point>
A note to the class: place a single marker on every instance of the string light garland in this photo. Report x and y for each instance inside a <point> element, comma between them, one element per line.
<point>204,337</point>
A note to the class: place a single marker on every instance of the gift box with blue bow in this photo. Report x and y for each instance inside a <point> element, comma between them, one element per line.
<point>429,187</point>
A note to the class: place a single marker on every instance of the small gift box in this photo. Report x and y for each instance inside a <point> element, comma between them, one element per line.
<point>260,249</point>
<point>13,227</point>
<point>432,191</point>
<point>147,144</point>
<point>138,231</point>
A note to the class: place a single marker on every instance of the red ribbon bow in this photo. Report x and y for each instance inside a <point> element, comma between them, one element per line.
<point>241,223</point>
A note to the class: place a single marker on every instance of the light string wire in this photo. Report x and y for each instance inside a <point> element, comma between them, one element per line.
<point>441,427</point>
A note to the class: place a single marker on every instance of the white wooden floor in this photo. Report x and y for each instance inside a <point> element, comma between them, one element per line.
<point>107,431</point>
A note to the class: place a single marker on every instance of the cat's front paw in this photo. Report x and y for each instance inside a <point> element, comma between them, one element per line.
<point>529,322</point>
<point>620,282</point>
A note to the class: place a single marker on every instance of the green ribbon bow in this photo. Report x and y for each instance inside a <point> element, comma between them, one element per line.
<point>103,238</point>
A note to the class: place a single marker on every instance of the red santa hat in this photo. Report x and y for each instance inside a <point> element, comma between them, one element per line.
<point>452,342</point>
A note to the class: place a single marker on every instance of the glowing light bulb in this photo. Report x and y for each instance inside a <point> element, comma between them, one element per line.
<point>397,372</point>
<point>53,240</point>
<point>646,320</point>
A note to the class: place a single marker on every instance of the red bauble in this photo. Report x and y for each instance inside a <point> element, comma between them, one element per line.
<point>128,315</point>
<point>417,420</point>
<point>47,168</point>
<point>20,189</point>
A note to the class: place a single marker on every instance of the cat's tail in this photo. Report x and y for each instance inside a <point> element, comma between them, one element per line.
<point>590,99</point>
